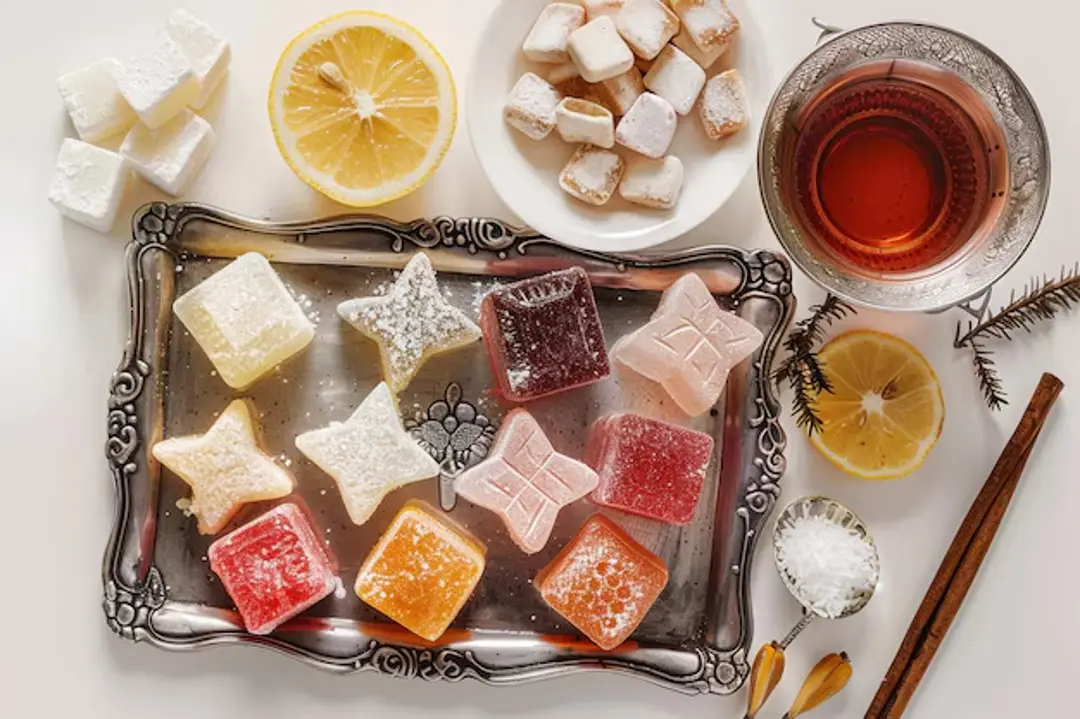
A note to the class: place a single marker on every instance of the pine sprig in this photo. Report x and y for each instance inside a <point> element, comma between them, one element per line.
<point>802,369</point>
<point>1040,301</point>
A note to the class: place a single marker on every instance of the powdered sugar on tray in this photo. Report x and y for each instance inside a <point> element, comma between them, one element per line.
<point>829,565</point>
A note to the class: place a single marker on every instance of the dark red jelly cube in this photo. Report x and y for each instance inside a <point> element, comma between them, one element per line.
<point>543,335</point>
<point>647,467</point>
<point>273,567</point>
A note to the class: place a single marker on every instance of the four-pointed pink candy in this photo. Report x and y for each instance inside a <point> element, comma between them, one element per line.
<point>525,481</point>
<point>689,346</point>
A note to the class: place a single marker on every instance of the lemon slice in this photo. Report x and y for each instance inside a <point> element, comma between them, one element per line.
<point>363,108</point>
<point>886,411</point>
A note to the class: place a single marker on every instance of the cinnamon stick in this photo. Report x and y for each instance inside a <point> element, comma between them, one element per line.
<point>962,560</point>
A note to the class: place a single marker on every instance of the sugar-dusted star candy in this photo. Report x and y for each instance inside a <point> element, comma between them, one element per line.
<point>689,346</point>
<point>411,322</point>
<point>224,468</point>
<point>369,455</point>
<point>525,481</point>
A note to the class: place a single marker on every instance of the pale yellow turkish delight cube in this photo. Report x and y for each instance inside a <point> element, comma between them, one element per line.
<point>592,175</point>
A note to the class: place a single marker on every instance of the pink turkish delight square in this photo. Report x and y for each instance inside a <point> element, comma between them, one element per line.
<point>525,481</point>
<point>690,345</point>
<point>543,335</point>
<point>273,568</point>
<point>647,467</point>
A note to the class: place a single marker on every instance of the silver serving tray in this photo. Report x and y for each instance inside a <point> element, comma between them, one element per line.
<point>158,586</point>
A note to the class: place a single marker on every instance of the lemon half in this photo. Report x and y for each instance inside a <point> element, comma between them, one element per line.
<point>363,108</point>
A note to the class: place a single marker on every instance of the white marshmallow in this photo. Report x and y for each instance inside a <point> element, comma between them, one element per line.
<point>531,106</point>
<point>648,127</point>
<point>599,8</point>
<point>704,58</point>
<point>676,78</point>
<point>622,91</point>
<point>709,23</point>
<point>598,50</point>
<point>646,25</point>
<point>89,184</point>
<point>653,183</point>
<point>546,41</point>
<point>158,82</point>
<point>171,155</point>
<point>95,104</point>
<point>592,174</point>
<point>584,121</point>
<point>208,52</point>
<point>724,108</point>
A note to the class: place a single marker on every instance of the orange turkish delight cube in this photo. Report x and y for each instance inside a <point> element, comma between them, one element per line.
<point>421,572</point>
<point>603,582</point>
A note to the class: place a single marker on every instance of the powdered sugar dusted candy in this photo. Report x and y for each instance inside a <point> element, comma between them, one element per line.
<point>88,184</point>
<point>599,8</point>
<point>531,106</point>
<point>598,50</point>
<point>525,481</point>
<point>676,78</point>
<point>97,108</point>
<point>646,25</point>
<point>690,345</point>
<point>704,58</point>
<point>830,566</point>
<point>648,127</point>
<point>245,320</point>
<point>224,468</point>
<point>369,455</point>
<point>592,174</point>
<point>158,82</point>
<point>647,467</point>
<point>652,183</point>
<point>622,91</point>
<point>208,52</point>
<point>583,121</point>
<point>273,568</point>
<point>171,156</point>
<point>724,108</point>
<point>421,572</point>
<point>710,23</point>
<point>603,582</point>
<point>543,335</point>
<point>411,323</point>
<point>546,41</point>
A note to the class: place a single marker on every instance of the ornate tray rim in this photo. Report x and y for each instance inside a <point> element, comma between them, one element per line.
<point>136,603</point>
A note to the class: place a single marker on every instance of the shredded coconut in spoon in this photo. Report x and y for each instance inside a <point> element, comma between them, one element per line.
<point>830,565</point>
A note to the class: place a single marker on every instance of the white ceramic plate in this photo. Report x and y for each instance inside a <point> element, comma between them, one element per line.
<point>525,172</point>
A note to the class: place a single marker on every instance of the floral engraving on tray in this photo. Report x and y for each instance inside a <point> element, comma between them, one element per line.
<point>127,610</point>
<point>429,664</point>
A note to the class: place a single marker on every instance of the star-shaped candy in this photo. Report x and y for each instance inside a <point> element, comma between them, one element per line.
<point>369,455</point>
<point>689,346</point>
<point>224,468</point>
<point>411,322</point>
<point>525,481</point>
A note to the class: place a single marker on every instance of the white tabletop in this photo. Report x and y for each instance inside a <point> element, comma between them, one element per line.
<point>1010,653</point>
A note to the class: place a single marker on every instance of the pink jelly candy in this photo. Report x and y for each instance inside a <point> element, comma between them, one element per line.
<point>543,335</point>
<point>273,567</point>
<point>647,467</point>
<point>525,481</point>
<point>689,346</point>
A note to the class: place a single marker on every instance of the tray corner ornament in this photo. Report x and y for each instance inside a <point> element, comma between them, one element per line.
<point>136,602</point>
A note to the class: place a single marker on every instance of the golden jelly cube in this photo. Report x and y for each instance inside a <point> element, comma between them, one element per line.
<point>603,582</point>
<point>245,320</point>
<point>421,572</point>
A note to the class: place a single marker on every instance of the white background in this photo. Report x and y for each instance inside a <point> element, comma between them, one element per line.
<point>62,311</point>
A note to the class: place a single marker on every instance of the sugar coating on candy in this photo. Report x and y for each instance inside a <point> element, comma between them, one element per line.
<point>543,335</point>
<point>649,126</point>
<point>724,108</point>
<point>599,51</point>
<point>411,323</point>
<point>599,8</point>
<point>245,320</point>
<point>88,184</point>
<point>546,41</point>
<point>525,481</point>
<point>208,52</point>
<point>531,105</point>
<point>652,183</point>
<point>583,121</point>
<point>709,23</point>
<point>647,467</point>
<point>603,582</point>
<point>592,174</point>
<point>97,108</point>
<point>273,568</point>
<point>646,25</point>
<point>704,58</point>
<point>689,346</point>
<point>369,455</point>
<point>225,468</point>
<point>676,78</point>
<point>158,81</point>
<point>171,156</point>
<point>622,91</point>
<point>421,572</point>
